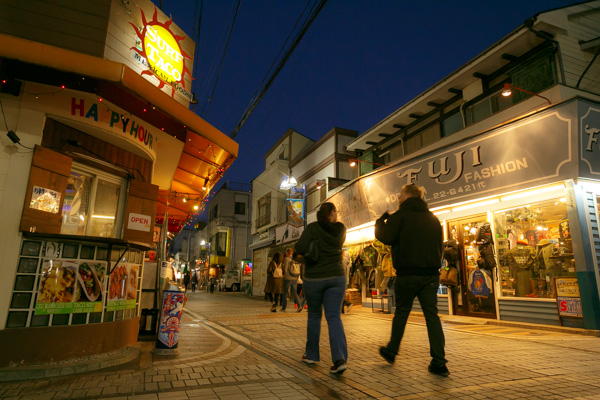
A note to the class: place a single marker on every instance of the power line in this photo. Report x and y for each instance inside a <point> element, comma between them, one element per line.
<point>224,54</point>
<point>280,66</point>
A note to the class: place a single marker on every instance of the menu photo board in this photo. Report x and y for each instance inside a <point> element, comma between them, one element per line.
<point>70,287</point>
<point>123,286</point>
<point>568,298</point>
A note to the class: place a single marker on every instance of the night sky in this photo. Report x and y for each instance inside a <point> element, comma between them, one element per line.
<point>359,61</point>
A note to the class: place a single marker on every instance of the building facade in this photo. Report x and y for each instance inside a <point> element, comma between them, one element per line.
<point>509,142</point>
<point>100,143</point>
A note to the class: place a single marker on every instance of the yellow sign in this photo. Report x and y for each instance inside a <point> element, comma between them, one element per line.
<point>161,49</point>
<point>163,54</point>
<point>567,287</point>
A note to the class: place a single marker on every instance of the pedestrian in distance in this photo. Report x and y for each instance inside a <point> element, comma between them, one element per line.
<point>274,285</point>
<point>186,280</point>
<point>194,282</point>
<point>325,286</point>
<point>291,272</point>
<point>416,237</point>
<point>212,284</point>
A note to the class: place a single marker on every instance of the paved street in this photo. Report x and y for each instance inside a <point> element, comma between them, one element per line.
<point>233,347</point>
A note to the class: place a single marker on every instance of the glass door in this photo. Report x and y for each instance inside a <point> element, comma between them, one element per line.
<point>474,295</point>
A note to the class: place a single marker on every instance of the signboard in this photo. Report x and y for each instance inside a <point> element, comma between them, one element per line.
<point>568,298</point>
<point>122,288</point>
<point>161,50</point>
<point>287,233</point>
<point>590,141</point>
<point>71,287</point>
<point>44,199</point>
<point>295,212</point>
<point>139,222</point>
<point>170,317</point>
<point>509,158</point>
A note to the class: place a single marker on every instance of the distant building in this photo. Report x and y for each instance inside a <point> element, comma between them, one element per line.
<point>312,171</point>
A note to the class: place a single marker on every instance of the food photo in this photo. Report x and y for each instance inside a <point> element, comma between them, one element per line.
<point>57,284</point>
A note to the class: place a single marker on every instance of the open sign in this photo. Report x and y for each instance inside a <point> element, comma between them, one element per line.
<point>139,222</point>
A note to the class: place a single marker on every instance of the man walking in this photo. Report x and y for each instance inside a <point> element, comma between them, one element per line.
<point>415,235</point>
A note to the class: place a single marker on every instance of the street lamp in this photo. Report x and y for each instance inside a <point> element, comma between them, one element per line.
<point>507,91</point>
<point>355,161</point>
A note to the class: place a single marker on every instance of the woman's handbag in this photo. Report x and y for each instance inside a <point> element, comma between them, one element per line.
<point>449,276</point>
<point>312,255</point>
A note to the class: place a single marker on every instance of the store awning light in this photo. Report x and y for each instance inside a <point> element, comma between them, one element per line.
<point>532,192</point>
<point>103,216</point>
<point>478,204</point>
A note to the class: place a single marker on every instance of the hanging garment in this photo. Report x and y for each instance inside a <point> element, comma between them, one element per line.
<point>369,256</point>
<point>522,257</point>
<point>387,266</point>
<point>480,283</point>
<point>487,254</point>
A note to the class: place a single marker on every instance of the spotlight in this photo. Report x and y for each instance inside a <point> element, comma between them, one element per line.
<point>13,136</point>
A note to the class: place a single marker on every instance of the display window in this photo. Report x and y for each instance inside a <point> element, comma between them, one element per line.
<point>93,203</point>
<point>533,247</point>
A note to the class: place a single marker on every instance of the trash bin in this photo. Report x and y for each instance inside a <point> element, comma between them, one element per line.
<point>170,317</point>
<point>148,321</point>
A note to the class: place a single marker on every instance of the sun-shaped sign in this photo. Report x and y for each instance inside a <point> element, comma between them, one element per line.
<point>160,47</point>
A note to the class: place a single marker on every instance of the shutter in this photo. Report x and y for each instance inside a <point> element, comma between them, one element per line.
<point>141,212</point>
<point>49,174</point>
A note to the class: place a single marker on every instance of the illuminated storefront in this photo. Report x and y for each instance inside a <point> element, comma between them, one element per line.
<point>535,183</point>
<point>99,172</point>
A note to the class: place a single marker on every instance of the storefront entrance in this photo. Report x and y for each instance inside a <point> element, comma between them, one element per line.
<point>474,295</point>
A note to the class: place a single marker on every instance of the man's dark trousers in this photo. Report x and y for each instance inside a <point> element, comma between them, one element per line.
<point>406,288</point>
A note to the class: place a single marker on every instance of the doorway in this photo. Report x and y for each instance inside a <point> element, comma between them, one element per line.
<point>474,295</point>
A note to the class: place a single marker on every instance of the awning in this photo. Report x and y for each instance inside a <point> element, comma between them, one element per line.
<point>207,152</point>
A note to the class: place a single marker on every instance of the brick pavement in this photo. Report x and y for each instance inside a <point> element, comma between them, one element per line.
<point>233,347</point>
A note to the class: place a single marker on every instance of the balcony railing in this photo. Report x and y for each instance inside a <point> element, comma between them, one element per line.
<point>263,220</point>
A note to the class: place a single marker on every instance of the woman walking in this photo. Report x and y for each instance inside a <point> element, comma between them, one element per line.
<point>324,285</point>
<point>274,285</point>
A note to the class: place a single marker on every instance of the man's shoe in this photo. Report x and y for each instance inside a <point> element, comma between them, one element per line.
<point>338,367</point>
<point>441,370</point>
<point>387,354</point>
<point>273,308</point>
<point>306,360</point>
<point>349,307</point>
<point>299,309</point>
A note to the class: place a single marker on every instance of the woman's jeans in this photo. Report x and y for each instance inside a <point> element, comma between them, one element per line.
<point>325,295</point>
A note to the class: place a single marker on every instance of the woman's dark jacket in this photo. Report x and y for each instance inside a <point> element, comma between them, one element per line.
<point>330,237</point>
<point>416,237</point>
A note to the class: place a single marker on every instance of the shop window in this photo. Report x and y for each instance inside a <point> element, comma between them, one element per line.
<point>264,211</point>
<point>93,203</point>
<point>533,247</point>
<point>219,244</point>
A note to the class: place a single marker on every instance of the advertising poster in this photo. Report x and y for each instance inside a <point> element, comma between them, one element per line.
<point>122,287</point>
<point>70,287</point>
<point>170,316</point>
<point>295,212</point>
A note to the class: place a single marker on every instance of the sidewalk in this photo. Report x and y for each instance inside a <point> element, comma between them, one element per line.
<point>233,347</point>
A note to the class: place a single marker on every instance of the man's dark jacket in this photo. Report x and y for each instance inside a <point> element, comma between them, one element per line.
<point>416,237</point>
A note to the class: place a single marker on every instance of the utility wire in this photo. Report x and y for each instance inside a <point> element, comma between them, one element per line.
<point>224,54</point>
<point>278,54</point>
<point>286,56</point>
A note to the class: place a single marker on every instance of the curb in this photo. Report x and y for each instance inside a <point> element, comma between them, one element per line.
<point>70,367</point>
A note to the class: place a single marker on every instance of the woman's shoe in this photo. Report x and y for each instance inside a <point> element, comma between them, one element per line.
<point>338,367</point>
<point>306,360</point>
<point>273,308</point>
